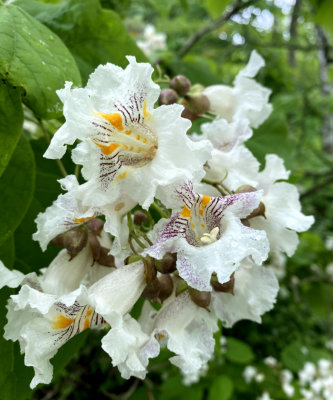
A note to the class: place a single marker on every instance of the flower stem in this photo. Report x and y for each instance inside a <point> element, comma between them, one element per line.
<point>159,210</point>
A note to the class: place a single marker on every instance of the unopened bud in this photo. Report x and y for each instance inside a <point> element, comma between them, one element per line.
<point>132,259</point>
<point>95,225</point>
<point>94,245</point>
<point>166,286</point>
<point>167,264</point>
<point>167,96</point>
<point>245,222</point>
<point>150,270</point>
<point>201,299</point>
<point>246,189</point>
<point>75,240</point>
<point>198,104</point>
<point>140,218</point>
<point>152,290</point>
<point>227,287</point>
<point>106,259</point>
<point>180,84</point>
<point>260,210</point>
<point>58,241</point>
<point>188,114</point>
<point>181,287</point>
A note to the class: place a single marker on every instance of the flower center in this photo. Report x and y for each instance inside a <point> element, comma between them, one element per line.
<point>211,237</point>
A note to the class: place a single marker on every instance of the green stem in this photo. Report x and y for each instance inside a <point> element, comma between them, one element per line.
<point>159,210</point>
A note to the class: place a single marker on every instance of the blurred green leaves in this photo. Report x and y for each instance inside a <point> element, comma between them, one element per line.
<point>216,7</point>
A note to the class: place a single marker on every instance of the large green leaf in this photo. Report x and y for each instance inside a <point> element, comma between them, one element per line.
<point>11,121</point>
<point>34,58</point>
<point>238,351</point>
<point>221,389</point>
<point>16,188</point>
<point>93,35</point>
<point>216,7</point>
<point>324,15</point>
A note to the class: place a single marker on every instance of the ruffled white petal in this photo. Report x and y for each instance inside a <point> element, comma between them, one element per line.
<point>10,278</point>
<point>255,293</point>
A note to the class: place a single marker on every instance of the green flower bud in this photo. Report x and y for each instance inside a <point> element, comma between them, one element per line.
<point>181,287</point>
<point>75,240</point>
<point>95,225</point>
<point>167,96</point>
<point>140,218</point>
<point>58,241</point>
<point>167,264</point>
<point>227,287</point>
<point>201,299</point>
<point>180,84</point>
<point>166,287</point>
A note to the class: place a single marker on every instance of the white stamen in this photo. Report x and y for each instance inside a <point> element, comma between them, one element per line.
<point>208,238</point>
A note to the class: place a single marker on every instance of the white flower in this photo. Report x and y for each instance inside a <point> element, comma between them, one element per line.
<point>283,216</point>
<point>249,373</point>
<point>128,147</point>
<point>255,291</point>
<point>288,389</point>
<point>265,396</point>
<point>208,236</point>
<point>186,329</point>
<point>307,374</point>
<point>270,361</point>
<point>9,278</point>
<point>247,99</point>
<point>65,213</point>
<point>259,377</point>
<point>152,41</point>
<point>54,307</point>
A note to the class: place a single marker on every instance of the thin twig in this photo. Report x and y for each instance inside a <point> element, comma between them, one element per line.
<point>235,8</point>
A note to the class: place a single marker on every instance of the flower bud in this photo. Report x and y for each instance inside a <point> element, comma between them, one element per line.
<point>152,290</point>
<point>94,245</point>
<point>75,240</point>
<point>181,287</point>
<point>198,104</point>
<point>227,287</point>
<point>201,299</point>
<point>167,96</point>
<point>167,264</point>
<point>58,241</point>
<point>180,84</point>
<point>245,222</point>
<point>106,259</point>
<point>246,189</point>
<point>140,218</point>
<point>166,286</point>
<point>188,114</point>
<point>260,210</point>
<point>95,225</point>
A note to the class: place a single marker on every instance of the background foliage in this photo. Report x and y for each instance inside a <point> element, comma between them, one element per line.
<point>45,43</point>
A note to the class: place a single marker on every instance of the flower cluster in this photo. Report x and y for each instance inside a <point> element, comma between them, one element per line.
<point>176,224</point>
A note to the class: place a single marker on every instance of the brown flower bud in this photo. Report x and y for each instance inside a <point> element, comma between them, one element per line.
<point>188,114</point>
<point>180,84</point>
<point>167,264</point>
<point>167,96</point>
<point>140,218</point>
<point>201,299</point>
<point>227,287</point>
<point>245,222</point>
<point>181,287</point>
<point>166,286</point>
<point>150,270</point>
<point>75,240</point>
<point>94,245</point>
<point>260,210</point>
<point>106,259</point>
<point>152,290</point>
<point>95,225</point>
<point>246,189</point>
<point>198,104</point>
<point>58,241</point>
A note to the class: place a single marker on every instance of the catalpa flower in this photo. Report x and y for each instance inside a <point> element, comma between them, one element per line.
<point>52,308</point>
<point>127,146</point>
<point>283,216</point>
<point>209,237</point>
<point>246,99</point>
